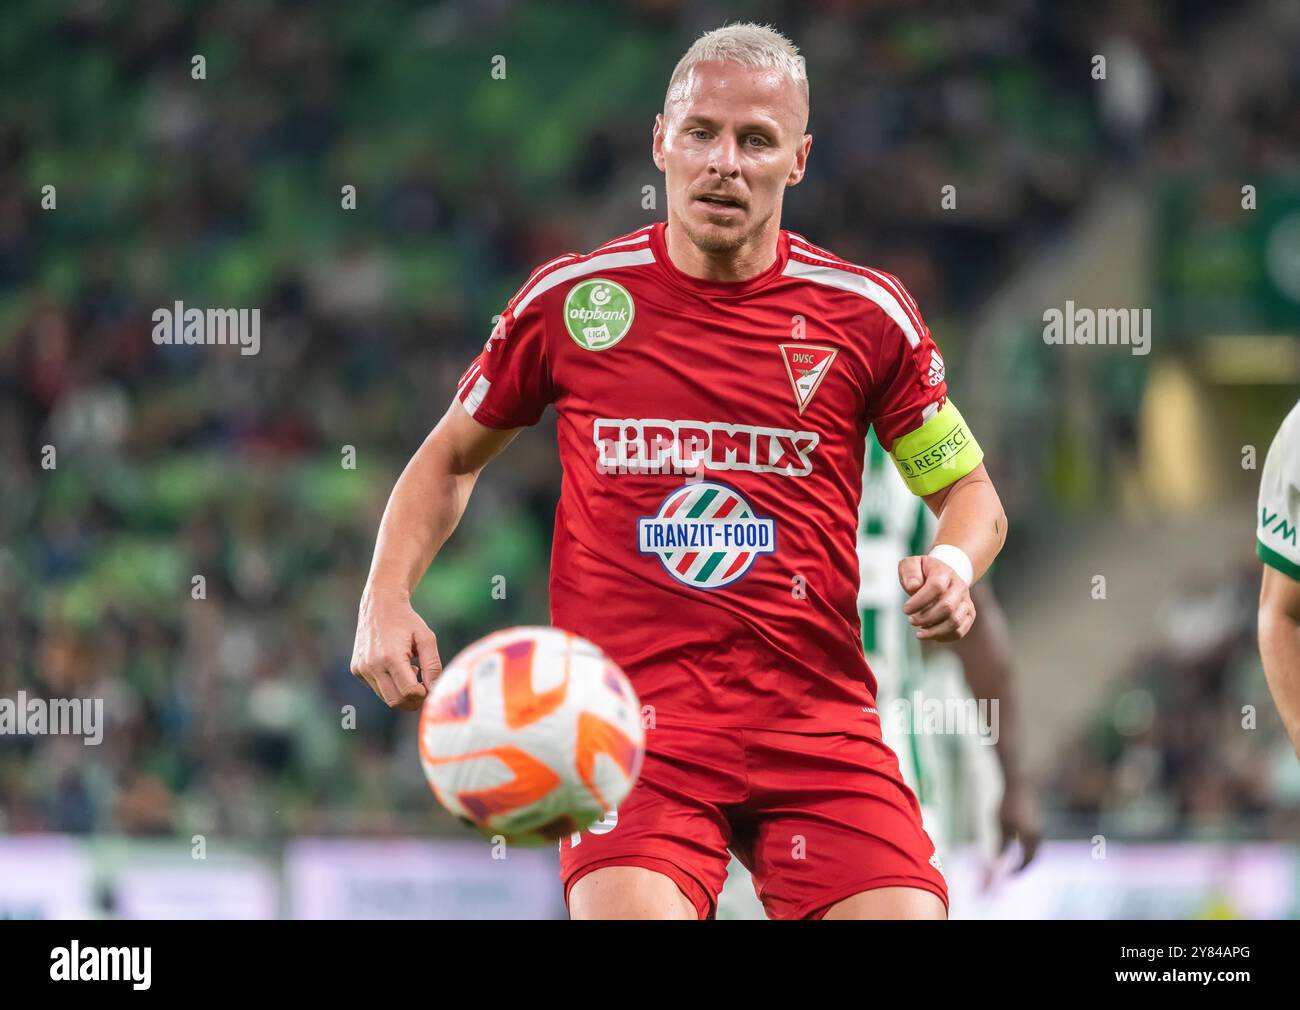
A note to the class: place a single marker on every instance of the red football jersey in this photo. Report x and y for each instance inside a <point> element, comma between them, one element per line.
<point>711,437</point>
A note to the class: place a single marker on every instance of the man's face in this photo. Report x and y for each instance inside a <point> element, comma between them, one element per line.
<point>729,141</point>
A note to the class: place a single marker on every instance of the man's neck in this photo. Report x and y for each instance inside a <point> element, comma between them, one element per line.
<point>739,264</point>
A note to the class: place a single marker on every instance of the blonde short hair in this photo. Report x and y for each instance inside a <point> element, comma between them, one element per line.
<point>750,45</point>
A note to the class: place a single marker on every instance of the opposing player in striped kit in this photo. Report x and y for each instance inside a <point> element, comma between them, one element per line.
<point>714,377</point>
<point>1278,546</point>
<point>967,777</point>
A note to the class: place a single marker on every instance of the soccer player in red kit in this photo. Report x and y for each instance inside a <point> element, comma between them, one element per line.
<point>714,378</point>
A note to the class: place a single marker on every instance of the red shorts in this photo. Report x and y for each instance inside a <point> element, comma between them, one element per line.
<point>815,817</point>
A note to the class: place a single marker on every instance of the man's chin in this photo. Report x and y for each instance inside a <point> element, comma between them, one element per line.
<point>717,237</point>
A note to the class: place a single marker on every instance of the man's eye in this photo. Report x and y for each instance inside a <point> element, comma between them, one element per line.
<point>757,141</point>
<point>700,134</point>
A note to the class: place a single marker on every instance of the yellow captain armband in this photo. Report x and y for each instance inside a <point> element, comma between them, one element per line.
<point>938,453</point>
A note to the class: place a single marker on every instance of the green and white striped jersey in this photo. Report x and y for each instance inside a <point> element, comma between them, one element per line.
<point>955,778</point>
<point>893,523</point>
<point>1279,500</point>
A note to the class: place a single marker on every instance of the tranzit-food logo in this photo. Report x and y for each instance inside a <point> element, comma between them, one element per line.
<point>706,535</point>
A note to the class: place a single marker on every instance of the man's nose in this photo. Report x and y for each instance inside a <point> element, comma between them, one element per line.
<point>724,157</point>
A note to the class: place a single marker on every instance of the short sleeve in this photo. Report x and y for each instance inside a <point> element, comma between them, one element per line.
<point>509,384</point>
<point>1279,500</point>
<point>908,385</point>
<point>908,403</point>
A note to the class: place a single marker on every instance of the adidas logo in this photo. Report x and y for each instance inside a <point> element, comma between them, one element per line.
<point>936,368</point>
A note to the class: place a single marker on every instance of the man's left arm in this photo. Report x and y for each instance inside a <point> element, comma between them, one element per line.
<point>972,529</point>
<point>939,460</point>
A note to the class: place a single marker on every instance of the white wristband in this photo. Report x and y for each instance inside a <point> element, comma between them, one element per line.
<point>956,559</point>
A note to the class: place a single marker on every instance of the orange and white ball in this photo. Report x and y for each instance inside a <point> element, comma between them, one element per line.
<point>532,734</point>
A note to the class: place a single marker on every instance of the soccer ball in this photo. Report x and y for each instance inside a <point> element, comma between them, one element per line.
<point>532,734</point>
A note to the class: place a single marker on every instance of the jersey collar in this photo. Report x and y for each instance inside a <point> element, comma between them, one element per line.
<point>717,289</point>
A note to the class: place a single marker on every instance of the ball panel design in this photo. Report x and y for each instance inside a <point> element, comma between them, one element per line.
<point>520,668</point>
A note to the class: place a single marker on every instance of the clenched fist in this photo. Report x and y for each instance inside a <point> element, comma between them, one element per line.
<point>394,652</point>
<point>939,606</point>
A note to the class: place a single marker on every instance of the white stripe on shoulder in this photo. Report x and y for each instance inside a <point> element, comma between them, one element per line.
<point>549,264</point>
<point>476,395</point>
<point>802,246</point>
<point>469,377</point>
<point>807,248</point>
<point>643,235</point>
<point>834,276</point>
<point>608,261</point>
<point>813,253</point>
<point>900,293</point>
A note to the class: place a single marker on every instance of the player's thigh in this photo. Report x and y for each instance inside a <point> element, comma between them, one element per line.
<point>889,903</point>
<point>628,892</point>
<point>835,821</point>
<point>671,827</point>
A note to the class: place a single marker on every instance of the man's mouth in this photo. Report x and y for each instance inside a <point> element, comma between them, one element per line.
<point>715,200</point>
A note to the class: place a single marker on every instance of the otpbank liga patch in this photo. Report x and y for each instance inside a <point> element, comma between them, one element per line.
<point>706,535</point>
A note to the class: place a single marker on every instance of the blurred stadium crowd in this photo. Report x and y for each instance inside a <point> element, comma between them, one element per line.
<point>226,711</point>
<point>1166,756</point>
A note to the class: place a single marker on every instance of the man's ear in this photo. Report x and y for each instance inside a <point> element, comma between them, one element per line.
<point>800,161</point>
<point>657,142</point>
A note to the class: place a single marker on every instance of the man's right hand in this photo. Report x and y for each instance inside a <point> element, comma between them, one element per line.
<point>392,643</point>
<point>424,508</point>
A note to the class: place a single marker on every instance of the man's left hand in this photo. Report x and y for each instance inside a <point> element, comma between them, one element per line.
<point>939,606</point>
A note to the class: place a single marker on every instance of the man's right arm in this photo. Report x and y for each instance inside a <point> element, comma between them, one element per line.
<point>423,510</point>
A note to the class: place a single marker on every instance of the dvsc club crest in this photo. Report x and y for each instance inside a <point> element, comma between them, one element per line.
<point>598,313</point>
<point>706,535</point>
